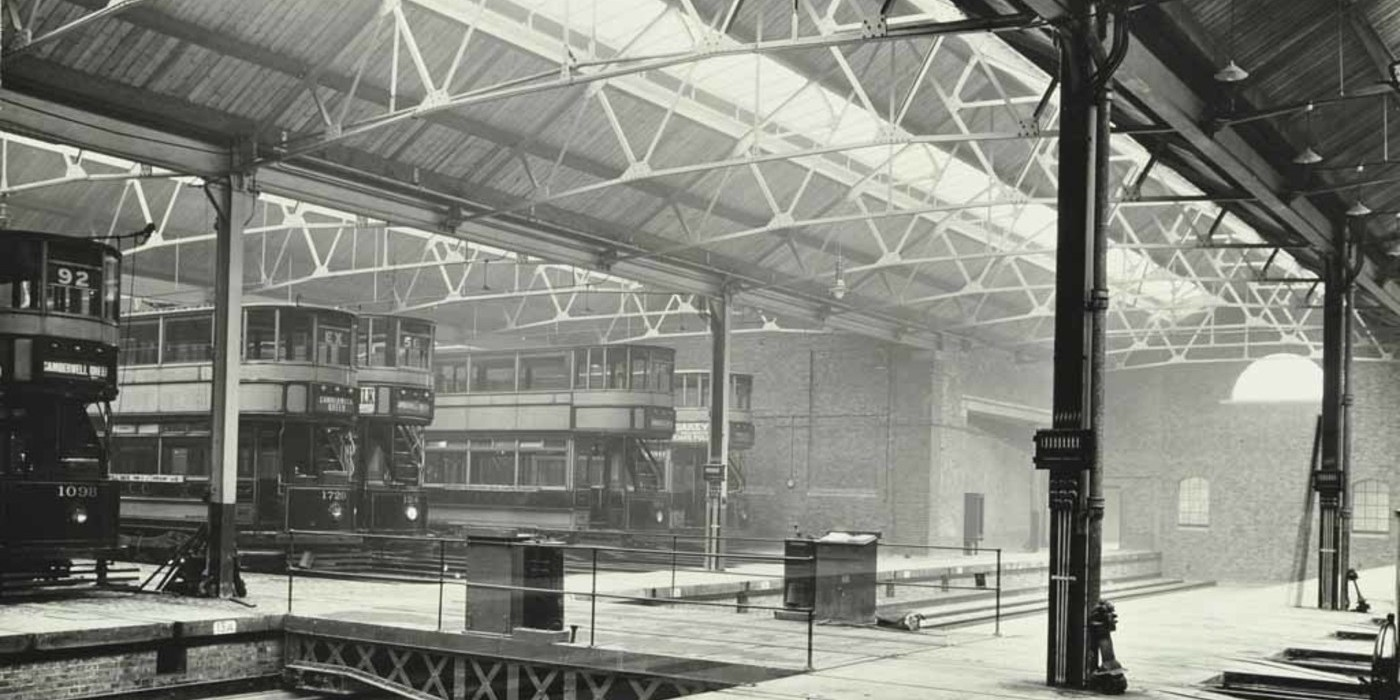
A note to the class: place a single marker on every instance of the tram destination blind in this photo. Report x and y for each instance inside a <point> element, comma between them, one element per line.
<point>335,400</point>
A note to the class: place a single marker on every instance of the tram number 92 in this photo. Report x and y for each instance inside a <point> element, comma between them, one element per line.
<point>68,277</point>
<point>77,491</point>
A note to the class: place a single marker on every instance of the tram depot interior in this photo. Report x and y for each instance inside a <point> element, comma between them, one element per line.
<point>724,348</point>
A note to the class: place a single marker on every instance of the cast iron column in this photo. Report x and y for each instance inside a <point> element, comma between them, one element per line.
<point>716,490</point>
<point>233,206</point>
<point>1330,479</point>
<point>1070,450</point>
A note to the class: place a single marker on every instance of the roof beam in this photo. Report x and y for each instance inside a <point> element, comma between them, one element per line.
<point>50,121</point>
<point>1145,79</point>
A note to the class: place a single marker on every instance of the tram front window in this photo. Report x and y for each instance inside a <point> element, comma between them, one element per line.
<point>294,336</point>
<point>373,350</point>
<point>617,368</point>
<point>75,279</point>
<point>415,344</point>
<point>19,276</point>
<point>261,342</point>
<point>333,345</point>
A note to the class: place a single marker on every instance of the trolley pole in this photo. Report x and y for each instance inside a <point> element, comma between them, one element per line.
<point>717,469</point>
<point>233,205</point>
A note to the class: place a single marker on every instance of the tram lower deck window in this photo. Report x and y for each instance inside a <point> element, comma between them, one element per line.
<point>492,465</point>
<point>136,456</point>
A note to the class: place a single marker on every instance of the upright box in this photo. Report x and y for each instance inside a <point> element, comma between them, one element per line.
<point>833,575</point>
<point>499,567</point>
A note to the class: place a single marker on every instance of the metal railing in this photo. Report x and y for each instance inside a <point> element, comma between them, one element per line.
<point>465,543</point>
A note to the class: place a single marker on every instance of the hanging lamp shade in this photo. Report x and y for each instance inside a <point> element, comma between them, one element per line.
<point>1307,156</point>
<point>1358,208</point>
<point>1231,73</point>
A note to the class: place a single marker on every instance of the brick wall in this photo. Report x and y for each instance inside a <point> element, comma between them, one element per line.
<point>853,433</point>
<point>1167,424</point>
<point>102,672</point>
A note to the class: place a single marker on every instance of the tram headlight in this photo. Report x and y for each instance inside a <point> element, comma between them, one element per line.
<point>336,510</point>
<point>411,512</point>
<point>78,515</point>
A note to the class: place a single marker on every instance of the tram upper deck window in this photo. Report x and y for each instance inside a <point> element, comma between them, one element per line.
<point>20,272</point>
<point>188,339</point>
<point>294,335</point>
<point>662,366</point>
<point>415,344</point>
<point>140,344</point>
<point>493,373</point>
<point>332,342</point>
<point>544,372</point>
<point>617,368</point>
<point>261,330</point>
<point>451,377</point>
<point>75,279</point>
<point>640,369</point>
<point>742,392</point>
<point>112,293</point>
<point>373,344</point>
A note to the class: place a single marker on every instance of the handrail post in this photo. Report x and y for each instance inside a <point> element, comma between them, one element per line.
<point>466,581</point>
<point>593,602</point>
<point>291,574</point>
<point>442,573</point>
<point>674,544</point>
<point>998,613</point>
<point>811,623</point>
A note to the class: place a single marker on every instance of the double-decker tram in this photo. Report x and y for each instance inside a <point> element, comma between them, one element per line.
<point>690,450</point>
<point>394,378</point>
<point>556,439</point>
<point>59,299</point>
<point>296,433</point>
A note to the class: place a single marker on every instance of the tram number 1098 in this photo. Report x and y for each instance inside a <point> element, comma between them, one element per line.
<point>77,491</point>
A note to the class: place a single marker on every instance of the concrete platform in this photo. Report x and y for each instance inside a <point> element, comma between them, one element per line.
<point>1170,644</point>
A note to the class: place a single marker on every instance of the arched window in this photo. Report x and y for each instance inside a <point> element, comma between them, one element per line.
<point>1278,378</point>
<point>1370,506</point>
<point>1193,502</point>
